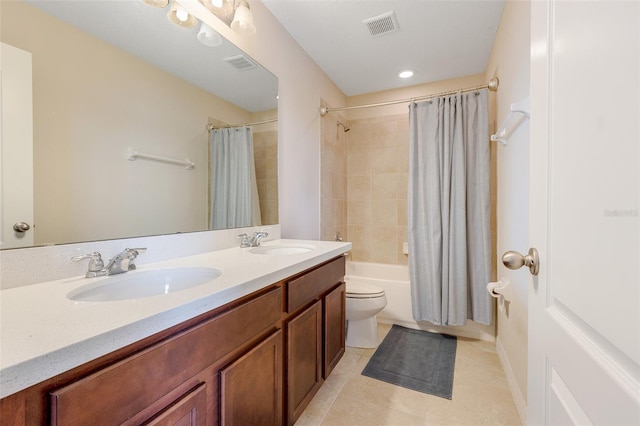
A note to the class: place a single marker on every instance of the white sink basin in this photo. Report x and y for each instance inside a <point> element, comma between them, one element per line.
<point>280,249</point>
<point>138,284</point>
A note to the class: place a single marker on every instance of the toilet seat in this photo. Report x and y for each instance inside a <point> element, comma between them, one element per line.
<point>361,290</point>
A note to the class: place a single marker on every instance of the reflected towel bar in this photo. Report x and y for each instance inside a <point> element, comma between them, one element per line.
<point>133,155</point>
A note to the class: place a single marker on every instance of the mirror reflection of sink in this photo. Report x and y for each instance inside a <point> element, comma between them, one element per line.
<point>138,284</point>
<point>279,249</point>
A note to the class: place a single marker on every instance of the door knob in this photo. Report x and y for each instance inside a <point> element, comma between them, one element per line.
<point>514,260</point>
<point>21,227</point>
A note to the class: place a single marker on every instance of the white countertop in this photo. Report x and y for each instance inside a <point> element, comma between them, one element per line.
<point>43,333</point>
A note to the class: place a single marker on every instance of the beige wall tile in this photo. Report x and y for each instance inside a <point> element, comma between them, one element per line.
<point>339,183</point>
<point>358,162</point>
<point>383,160</point>
<point>358,212</point>
<point>271,169</point>
<point>384,212</point>
<point>358,188</point>
<point>382,134</point>
<point>384,186</point>
<point>401,208</point>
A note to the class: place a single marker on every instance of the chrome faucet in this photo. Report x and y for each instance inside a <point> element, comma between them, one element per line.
<point>246,241</point>
<point>121,262</point>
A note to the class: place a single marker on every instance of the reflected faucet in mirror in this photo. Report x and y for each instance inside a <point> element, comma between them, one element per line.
<point>246,241</point>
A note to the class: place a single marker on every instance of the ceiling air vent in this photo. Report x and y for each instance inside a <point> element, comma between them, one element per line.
<point>382,24</point>
<point>240,62</point>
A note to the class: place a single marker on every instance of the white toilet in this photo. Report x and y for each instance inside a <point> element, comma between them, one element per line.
<point>364,301</point>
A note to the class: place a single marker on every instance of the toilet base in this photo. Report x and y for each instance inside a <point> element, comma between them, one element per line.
<point>363,333</point>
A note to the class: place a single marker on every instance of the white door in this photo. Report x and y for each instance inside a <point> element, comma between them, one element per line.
<point>16,148</point>
<point>584,217</point>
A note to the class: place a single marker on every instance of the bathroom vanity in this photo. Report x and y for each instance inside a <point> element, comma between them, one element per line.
<point>257,359</point>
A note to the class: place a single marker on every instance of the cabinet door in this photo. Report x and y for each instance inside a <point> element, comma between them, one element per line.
<point>251,387</point>
<point>304,356</point>
<point>334,328</point>
<point>188,411</point>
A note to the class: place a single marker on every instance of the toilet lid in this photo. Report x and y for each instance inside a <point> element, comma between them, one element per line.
<point>357,289</point>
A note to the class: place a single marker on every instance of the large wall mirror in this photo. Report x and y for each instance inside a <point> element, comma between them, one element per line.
<point>110,77</point>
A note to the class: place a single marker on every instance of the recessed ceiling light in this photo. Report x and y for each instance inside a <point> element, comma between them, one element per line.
<point>405,74</point>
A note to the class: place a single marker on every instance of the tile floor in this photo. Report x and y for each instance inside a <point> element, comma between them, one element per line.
<point>481,395</point>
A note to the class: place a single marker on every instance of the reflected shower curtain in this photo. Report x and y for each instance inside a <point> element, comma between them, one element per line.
<point>233,189</point>
<point>449,209</point>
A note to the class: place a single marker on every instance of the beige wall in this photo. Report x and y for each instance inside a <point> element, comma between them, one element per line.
<point>83,128</point>
<point>510,62</point>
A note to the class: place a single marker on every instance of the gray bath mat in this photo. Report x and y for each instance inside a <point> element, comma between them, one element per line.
<point>415,359</point>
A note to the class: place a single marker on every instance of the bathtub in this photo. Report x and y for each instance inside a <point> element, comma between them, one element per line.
<point>394,279</point>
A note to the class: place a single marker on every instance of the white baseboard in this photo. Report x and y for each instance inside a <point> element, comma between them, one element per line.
<point>521,404</point>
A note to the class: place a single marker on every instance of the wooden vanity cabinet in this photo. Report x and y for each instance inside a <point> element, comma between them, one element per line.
<point>315,332</point>
<point>146,385</point>
<point>257,360</point>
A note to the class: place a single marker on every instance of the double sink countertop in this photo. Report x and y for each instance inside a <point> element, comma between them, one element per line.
<point>43,333</point>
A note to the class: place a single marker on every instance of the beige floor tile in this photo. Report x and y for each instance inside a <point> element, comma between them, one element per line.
<point>344,412</point>
<point>481,395</point>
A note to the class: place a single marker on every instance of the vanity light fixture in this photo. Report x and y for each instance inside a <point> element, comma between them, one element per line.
<point>406,74</point>
<point>243,20</point>
<point>181,17</point>
<point>157,3</point>
<point>208,36</point>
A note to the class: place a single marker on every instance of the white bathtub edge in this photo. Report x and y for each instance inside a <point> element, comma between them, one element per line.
<point>394,280</point>
<point>470,331</point>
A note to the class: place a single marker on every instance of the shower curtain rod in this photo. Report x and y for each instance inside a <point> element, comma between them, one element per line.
<point>210,127</point>
<point>492,86</point>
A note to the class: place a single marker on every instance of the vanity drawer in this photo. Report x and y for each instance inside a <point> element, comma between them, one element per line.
<point>115,393</point>
<point>309,286</point>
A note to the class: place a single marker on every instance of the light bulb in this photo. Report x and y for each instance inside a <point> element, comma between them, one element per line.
<point>406,74</point>
<point>182,15</point>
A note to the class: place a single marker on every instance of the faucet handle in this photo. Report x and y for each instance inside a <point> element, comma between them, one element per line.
<point>136,251</point>
<point>244,240</point>
<point>95,261</point>
<point>131,254</point>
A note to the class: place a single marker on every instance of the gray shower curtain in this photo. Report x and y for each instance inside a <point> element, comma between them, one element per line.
<point>449,209</point>
<point>233,188</point>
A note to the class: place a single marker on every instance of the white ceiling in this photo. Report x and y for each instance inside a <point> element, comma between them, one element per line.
<point>439,39</point>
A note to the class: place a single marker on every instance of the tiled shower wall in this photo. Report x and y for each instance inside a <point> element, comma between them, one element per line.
<point>333,190</point>
<point>364,185</point>
<point>377,169</point>
<point>265,146</point>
